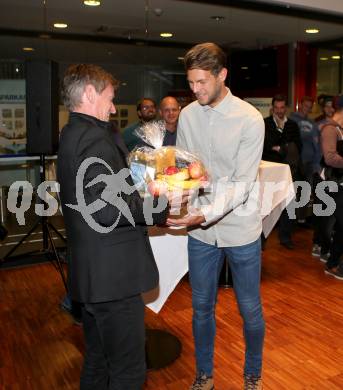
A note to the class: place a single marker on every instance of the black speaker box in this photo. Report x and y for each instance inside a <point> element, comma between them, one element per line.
<point>42,98</point>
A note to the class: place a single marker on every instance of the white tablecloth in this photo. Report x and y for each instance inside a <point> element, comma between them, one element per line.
<point>170,245</point>
<point>277,176</point>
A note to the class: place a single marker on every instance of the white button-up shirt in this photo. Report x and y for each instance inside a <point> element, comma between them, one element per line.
<point>228,139</point>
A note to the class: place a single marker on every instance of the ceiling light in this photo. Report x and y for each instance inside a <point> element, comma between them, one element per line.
<point>17,70</point>
<point>166,35</point>
<point>124,84</point>
<point>335,57</point>
<point>217,18</point>
<point>323,58</point>
<point>92,3</point>
<point>45,36</point>
<point>28,49</point>
<point>60,25</point>
<point>244,67</point>
<point>312,31</point>
<point>181,58</point>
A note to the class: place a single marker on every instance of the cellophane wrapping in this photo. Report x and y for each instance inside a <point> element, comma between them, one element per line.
<point>156,168</point>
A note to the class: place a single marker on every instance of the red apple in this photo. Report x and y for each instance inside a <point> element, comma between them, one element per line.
<point>171,170</point>
<point>204,177</point>
<point>157,187</point>
<point>195,170</point>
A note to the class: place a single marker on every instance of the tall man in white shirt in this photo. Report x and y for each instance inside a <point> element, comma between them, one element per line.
<point>227,133</point>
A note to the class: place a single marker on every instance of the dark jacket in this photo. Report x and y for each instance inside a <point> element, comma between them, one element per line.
<point>289,141</point>
<point>103,266</point>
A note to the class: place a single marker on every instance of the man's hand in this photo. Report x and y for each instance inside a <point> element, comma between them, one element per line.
<point>178,198</point>
<point>196,217</point>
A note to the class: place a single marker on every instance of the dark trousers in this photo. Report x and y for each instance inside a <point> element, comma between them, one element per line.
<point>322,225</point>
<point>285,227</point>
<point>322,232</point>
<point>115,345</point>
<point>336,250</point>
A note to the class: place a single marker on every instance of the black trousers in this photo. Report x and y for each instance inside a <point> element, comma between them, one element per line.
<point>285,227</point>
<point>115,345</point>
<point>322,225</point>
<point>336,250</point>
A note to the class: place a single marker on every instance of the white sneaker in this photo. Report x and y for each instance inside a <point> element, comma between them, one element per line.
<point>324,257</point>
<point>316,250</point>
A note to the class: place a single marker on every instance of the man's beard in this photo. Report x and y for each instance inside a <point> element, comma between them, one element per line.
<point>212,98</point>
<point>148,118</point>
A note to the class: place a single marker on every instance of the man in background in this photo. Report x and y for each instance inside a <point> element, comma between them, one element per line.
<point>310,153</point>
<point>169,112</point>
<point>309,132</point>
<point>282,144</point>
<point>326,104</point>
<point>146,111</point>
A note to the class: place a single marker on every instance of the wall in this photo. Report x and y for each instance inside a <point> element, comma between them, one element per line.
<point>282,77</point>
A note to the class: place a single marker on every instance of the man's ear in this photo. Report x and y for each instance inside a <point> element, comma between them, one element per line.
<point>223,74</point>
<point>90,93</point>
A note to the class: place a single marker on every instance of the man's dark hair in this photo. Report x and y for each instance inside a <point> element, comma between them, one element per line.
<point>279,98</point>
<point>139,103</point>
<point>307,99</point>
<point>205,56</point>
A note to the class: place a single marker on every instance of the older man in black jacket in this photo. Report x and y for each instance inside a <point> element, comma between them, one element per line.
<point>282,143</point>
<point>111,258</point>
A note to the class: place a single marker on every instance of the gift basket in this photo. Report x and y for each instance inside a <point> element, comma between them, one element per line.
<point>157,169</point>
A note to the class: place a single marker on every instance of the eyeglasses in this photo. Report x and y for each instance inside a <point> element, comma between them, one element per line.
<point>145,108</point>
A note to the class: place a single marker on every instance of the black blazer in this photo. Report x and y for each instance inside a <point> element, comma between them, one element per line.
<point>273,137</point>
<point>103,266</point>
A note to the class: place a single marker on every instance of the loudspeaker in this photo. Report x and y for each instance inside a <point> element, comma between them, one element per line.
<point>42,97</point>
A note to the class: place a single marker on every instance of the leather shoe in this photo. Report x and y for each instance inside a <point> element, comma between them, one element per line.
<point>288,245</point>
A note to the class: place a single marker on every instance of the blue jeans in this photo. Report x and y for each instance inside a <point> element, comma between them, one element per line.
<point>205,263</point>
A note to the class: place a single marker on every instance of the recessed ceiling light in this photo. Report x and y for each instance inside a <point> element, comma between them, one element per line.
<point>323,58</point>
<point>166,34</point>
<point>60,25</point>
<point>124,84</point>
<point>45,36</point>
<point>92,3</point>
<point>28,49</point>
<point>244,67</point>
<point>181,58</point>
<point>312,31</point>
<point>218,18</point>
<point>335,57</point>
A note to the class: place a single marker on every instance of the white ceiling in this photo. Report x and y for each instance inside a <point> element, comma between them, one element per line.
<point>138,20</point>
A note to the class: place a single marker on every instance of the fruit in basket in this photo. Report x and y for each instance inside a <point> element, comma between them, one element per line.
<point>185,184</point>
<point>171,170</point>
<point>182,175</point>
<point>196,170</point>
<point>157,187</point>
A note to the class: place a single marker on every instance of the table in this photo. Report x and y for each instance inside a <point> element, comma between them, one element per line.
<point>276,192</point>
<point>170,246</point>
